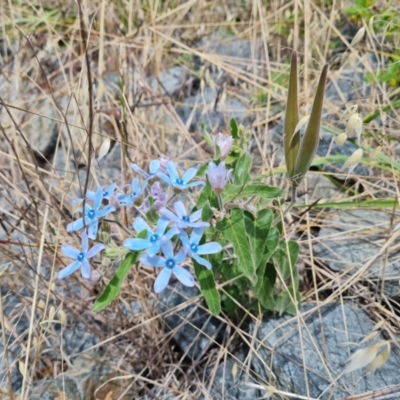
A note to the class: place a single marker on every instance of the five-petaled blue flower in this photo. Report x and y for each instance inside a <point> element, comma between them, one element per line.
<point>81,257</point>
<point>92,216</point>
<point>182,220</point>
<point>152,242</point>
<point>137,190</point>
<point>176,181</point>
<point>170,264</point>
<point>194,249</point>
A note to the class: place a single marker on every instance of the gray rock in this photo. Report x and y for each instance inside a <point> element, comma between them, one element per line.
<point>326,339</point>
<point>192,326</point>
<point>349,239</point>
<point>169,81</point>
<point>202,108</point>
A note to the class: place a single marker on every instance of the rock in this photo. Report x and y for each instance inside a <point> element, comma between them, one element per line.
<point>349,239</point>
<point>326,342</point>
<point>226,386</point>
<point>202,108</point>
<point>194,328</point>
<point>169,81</point>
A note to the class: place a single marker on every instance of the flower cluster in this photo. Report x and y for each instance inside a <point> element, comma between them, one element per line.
<point>177,234</point>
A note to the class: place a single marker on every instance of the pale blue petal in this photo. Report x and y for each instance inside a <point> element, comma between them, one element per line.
<point>173,173</point>
<point>85,271</point>
<point>162,280</point>
<point>184,238</point>
<point>155,261</point>
<point>192,184</point>
<point>166,247</point>
<point>124,199</point>
<point>141,225</point>
<point>75,226</point>
<point>197,234</point>
<point>183,276</point>
<point>85,242</point>
<point>104,211</point>
<point>199,224</point>
<point>110,191</point>
<point>169,214</point>
<point>181,256</point>
<point>69,251</point>
<point>202,261</point>
<point>209,248</point>
<point>165,178</point>
<point>180,209</point>
<point>139,170</point>
<point>98,197</point>
<point>95,250</point>
<point>92,230</point>
<point>196,215</point>
<point>172,232</point>
<point>162,224</point>
<point>154,166</point>
<point>136,244</point>
<point>189,174</point>
<point>154,249</point>
<point>90,195</point>
<point>69,270</point>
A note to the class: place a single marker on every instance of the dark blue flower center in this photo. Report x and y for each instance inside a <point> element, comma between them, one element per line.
<point>170,263</point>
<point>91,214</point>
<point>80,257</point>
<point>179,181</point>
<point>133,194</point>
<point>105,194</point>
<point>186,218</point>
<point>194,247</point>
<point>153,238</point>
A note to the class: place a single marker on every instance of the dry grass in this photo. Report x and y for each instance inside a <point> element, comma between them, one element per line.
<point>44,80</point>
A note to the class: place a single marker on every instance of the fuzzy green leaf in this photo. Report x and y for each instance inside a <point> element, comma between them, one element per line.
<point>234,128</point>
<point>286,257</point>
<point>233,230</point>
<point>264,289</point>
<point>237,192</point>
<point>257,229</point>
<point>208,288</point>
<point>242,170</point>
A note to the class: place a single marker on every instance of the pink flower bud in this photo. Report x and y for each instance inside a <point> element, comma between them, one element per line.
<point>223,142</point>
<point>218,176</point>
<point>114,201</point>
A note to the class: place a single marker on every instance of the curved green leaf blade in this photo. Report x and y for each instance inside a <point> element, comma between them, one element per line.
<point>291,141</point>
<point>112,289</point>
<point>309,143</point>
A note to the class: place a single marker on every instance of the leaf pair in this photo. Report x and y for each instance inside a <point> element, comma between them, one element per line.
<point>300,152</point>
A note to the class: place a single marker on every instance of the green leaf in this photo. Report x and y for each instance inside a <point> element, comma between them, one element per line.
<point>207,212</point>
<point>234,128</point>
<point>283,301</point>
<point>290,140</point>
<point>112,289</point>
<point>257,229</point>
<point>205,134</point>
<point>208,288</point>
<point>202,170</point>
<point>286,257</point>
<point>270,244</point>
<point>309,143</point>
<point>207,194</point>
<point>264,289</point>
<point>233,230</point>
<point>237,192</point>
<point>242,170</point>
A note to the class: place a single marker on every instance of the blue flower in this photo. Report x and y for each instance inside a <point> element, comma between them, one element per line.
<point>137,190</point>
<point>153,169</point>
<point>182,220</point>
<point>92,216</point>
<point>176,181</point>
<point>81,257</point>
<point>193,248</point>
<point>152,241</point>
<point>106,193</point>
<point>170,264</point>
